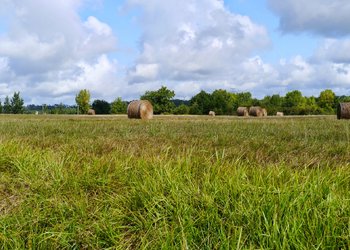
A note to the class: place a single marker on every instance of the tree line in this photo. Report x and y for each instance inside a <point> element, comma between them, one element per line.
<point>13,105</point>
<point>222,102</point>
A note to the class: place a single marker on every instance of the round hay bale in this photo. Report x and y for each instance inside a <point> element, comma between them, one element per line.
<point>256,111</point>
<point>343,110</point>
<point>279,114</point>
<point>141,109</point>
<point>242,111</point>
<point>211,113</point>
<point>91,112</point>
<point>264,112</point>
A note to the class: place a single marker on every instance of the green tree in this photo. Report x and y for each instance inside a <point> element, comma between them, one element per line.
<point>243,99</point>
<point>182,110</point>
<point>326,101</point>
<point>294,99</point>
<point>311,107</point>
<point>101,107</point>
<point>161,100</point>
<point>44,108</point>
<point>83,101</point>
<point>276,100</point>
<point>7,106</point>
<point>201,103</point>
<point>294,103</point>
<point>273,104</point>
<point>342,98</point>
<point>118,106</point>
<point>17,104</point>
<point>0,107</point>
<point>223,102</point>
<point>60,109</point>
<point>195,109</point>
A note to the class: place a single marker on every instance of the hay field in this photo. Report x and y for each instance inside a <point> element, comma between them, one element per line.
<point>174,183</point>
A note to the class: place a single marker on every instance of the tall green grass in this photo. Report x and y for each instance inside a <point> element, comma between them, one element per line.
<point>174,183</point>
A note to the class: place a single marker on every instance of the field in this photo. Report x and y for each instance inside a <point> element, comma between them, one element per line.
<point>174,183</point>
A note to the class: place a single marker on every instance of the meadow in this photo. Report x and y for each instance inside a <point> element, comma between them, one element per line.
<point>174,182</point>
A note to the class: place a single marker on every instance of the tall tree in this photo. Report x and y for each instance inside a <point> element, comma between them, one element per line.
<point>7,106</point>
<point>83,101</point>
<point>311,107</point>
<point>17,104</point>
<point>223,102</point>
<point>0,107</point>
<point>294,103</point>
<point>118,106</point>
<point>244,99</point>
<point>294,98</point>
<point>326,100</point>
<point>201,103</point>
<point>161,100</point>
<point>101,107</point>
<point>273,104</point>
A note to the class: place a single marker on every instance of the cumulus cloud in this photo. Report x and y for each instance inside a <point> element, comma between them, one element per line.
<point>47,45</point>
<point>309,76</point>
<point>329,66</point>
<point>194,45</point>
<point>197,40</point>
<point>333,50</point>
<point>49,53</point>
<point>322,17</point>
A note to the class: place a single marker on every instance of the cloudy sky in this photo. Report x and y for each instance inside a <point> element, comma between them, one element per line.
<point>49,50</point>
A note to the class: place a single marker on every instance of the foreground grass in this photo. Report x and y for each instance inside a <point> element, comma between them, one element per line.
<point>181,183</point>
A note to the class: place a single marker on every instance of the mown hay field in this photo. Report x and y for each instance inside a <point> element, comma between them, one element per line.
<point>174,183</point>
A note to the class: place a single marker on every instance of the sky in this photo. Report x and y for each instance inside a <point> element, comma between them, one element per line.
<point>49,50</point>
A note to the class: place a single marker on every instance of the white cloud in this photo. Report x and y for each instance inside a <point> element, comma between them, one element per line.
<point>145,72</point>
<point>49,53</point>
<point>323,17</point>
<point>197,40</point>
<point>334,50</point>
<point>47,50</point>
<point>98,27</point>
<point>329,66</point>
<point>4,67</point>
<point>201,45</point>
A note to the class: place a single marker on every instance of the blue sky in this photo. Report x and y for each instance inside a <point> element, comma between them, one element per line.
<point>121,48</point>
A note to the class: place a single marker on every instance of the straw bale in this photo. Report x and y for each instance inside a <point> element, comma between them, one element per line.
<point>211,113</point>
<point>343,110</point>
<point>140,109</point>
<point>91,112</point>
<point>264,112</point>
<point>256,111</point>
<point>242,111</point>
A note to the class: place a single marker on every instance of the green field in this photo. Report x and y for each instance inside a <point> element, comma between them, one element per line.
<point>174,183</point>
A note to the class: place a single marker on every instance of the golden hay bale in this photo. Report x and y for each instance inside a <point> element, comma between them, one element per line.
<point>279,114</point>
<point>256,111</point>
<point>211,113</point>
<point>91,112</point>
<point>242,111</point>
<point>141,109</point>
<point>264,112</point>
<point>343,110</point>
